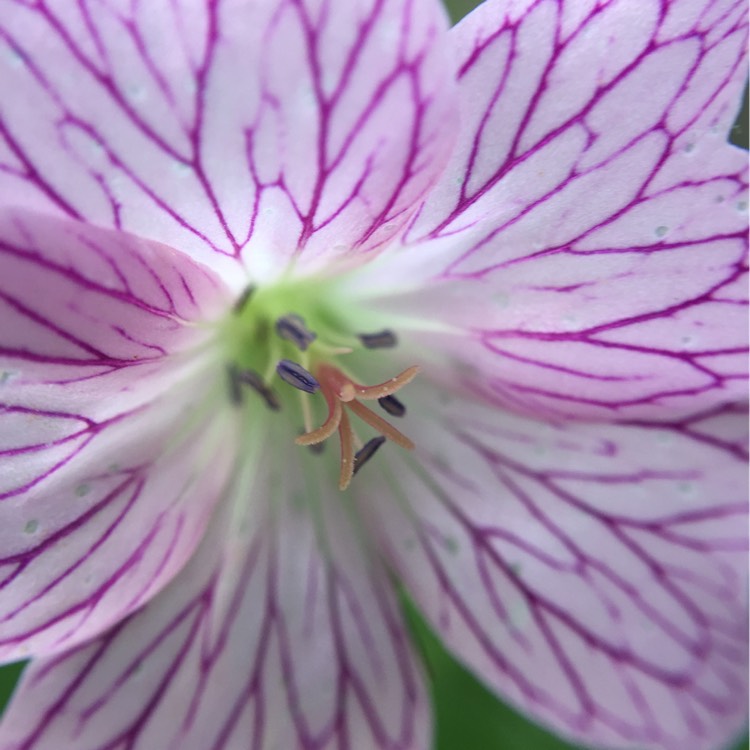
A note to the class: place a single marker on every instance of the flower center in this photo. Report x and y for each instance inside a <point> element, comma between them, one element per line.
<point>289,343</point>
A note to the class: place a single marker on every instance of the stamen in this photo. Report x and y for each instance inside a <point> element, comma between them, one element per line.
<point>340,391</point>
<point>392,406</point>
<point>306,411</point>
<point>256,382</point>
<point>235,392</point>
<point>347,451</point>
<point>297,376</point>
<point>381,340</point>
<point>292,328</point>
<point>378,423</point>
<point>243,299</point>
<point>366,452</point>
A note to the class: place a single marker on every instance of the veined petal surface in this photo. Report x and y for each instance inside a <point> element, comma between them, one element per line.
<point>102,497</point>
<point>594,575</point>
<point>588,240</point>
<point>280,633</point>
<point>253,128</point>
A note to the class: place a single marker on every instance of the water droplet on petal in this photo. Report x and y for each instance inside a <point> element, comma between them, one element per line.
<point>451,545</point>
<point>664,438</point>
<point>501,299</point>
<point>180,169</point>
<point>520,616</point>
<point>136,92</point>
<point>6,376</point>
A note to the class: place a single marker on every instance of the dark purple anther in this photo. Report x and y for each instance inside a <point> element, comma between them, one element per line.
<point>366,452</point>
<point>235,392</point>
<point>243,299</point>
<point>238,378</point>
<point>256,382</point>
<point>296,375</point>
<point>392,405</point>
<point>380,340</point>
<point>293,328</point>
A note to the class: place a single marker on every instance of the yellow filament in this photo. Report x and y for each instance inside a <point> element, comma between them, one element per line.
<point>306,412</point>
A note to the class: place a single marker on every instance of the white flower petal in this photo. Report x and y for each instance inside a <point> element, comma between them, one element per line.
<point>259,128</point>
<point>282,632</point>
<point>103,493</point>
<point>594,575</point>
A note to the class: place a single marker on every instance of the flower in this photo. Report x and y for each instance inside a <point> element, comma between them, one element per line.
<point>213,215</point>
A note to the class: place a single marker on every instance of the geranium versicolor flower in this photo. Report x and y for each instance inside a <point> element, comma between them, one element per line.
<point>244,244</point>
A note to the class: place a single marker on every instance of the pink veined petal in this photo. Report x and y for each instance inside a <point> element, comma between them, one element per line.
<point>259,128</point>
<point>102,497</point>
<point>594,575</point>
<point>280,633</point>
<point>588,240</point>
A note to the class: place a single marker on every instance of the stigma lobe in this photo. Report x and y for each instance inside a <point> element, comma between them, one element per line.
<point>348,390</point>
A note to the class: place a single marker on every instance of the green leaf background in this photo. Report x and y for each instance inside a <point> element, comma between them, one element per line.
<point>468,716</point>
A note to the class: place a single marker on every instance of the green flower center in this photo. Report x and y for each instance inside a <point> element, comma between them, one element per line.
<point>289,348</point>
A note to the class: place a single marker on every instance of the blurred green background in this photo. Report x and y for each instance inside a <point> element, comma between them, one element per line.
<point>468,716</point>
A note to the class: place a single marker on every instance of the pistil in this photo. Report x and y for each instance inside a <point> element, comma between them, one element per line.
<point>346,440</point>
<point>339,391</point>
<point>348,390</point>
